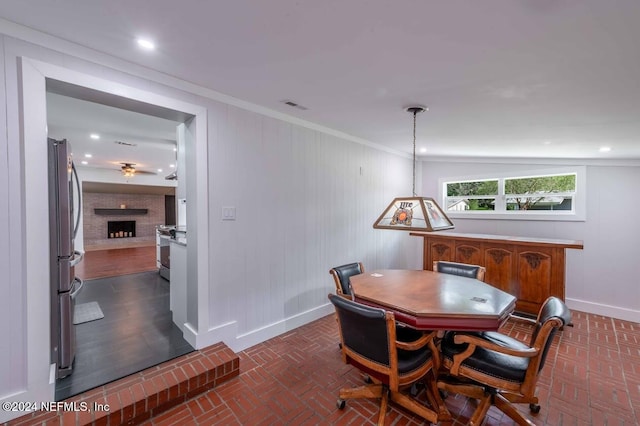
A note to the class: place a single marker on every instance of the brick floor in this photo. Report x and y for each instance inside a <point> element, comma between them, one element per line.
<point>139,397</point>
<point>592,377</point>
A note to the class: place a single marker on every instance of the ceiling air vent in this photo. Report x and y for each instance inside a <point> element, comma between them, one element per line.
<point>293,104</point>
<point>125,143</point>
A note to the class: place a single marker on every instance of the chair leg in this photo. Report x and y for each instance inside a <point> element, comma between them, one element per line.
<point>506,407</point>
<point>368,391</point>
<point>468,390</point>
<point>481,412</point>
<point>384,404</point>
<point>414,406</point>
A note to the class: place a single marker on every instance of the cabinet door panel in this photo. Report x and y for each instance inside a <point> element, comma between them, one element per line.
<point>534,275</point>
<point>499,264</point>
<point>440,250</point>
<point>468,253</point>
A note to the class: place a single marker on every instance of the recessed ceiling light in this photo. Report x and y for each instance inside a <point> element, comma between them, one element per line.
<point>605,148</point>
<point>88,155</point>
<point>423,150</point>
<point>175,149</point>
<point>546,143</point>
<point>146,44</point>
<point>159,170</point>
<point>94,136</point>
<point>84,162</point>
<point>172,165</point>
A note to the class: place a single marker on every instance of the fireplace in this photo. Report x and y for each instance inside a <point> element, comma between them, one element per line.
<point>121,229</point>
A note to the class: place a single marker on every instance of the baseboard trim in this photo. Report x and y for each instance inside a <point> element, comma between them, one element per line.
<point>227,332</point>
<point>604,310</point>
<point>246,340</point>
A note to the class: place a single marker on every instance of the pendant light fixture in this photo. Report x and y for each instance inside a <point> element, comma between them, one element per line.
<point>414,213</point>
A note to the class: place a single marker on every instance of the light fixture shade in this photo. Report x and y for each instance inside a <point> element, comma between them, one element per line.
<point>413,214</point>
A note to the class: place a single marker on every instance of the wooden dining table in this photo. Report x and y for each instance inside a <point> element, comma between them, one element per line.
<point>428,300</point>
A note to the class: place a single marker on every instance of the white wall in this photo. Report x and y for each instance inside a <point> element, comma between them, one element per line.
<point>302,203</point>
<point>13,368</point>
<point>303,206</point>
<point>600,279</point>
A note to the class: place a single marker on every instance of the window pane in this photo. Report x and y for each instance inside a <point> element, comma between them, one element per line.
<point>540,184</point>
<point>480,187</point>
<point>543,194</point>
<point>540,203</point>
<point>466,204</point>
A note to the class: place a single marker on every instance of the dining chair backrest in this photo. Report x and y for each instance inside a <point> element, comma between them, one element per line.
<point>363,329</point>
<point>460,269</point>
<point>341,275</point>
<point>552,308</point>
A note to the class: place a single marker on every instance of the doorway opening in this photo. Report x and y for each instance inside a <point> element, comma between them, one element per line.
<point>121,215</point>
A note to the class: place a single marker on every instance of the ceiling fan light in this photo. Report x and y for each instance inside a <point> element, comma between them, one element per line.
<point>128,170</point>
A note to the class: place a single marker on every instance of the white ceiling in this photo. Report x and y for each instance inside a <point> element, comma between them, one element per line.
<point>502,78</point>
<point>125,137</point>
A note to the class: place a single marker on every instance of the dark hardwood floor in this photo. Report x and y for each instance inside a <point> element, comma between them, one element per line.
<point>136,332</point>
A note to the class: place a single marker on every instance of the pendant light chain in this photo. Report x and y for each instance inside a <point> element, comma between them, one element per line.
<point>415,110</point>
<point>414,152</point>
<point>414,213</point>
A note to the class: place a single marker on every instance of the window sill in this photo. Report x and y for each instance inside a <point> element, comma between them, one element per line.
<point>556,217</point>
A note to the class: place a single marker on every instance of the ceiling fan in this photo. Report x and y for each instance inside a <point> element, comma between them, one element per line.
<point>128,170</point>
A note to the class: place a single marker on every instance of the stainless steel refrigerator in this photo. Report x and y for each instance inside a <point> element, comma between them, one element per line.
<point>64,219</point>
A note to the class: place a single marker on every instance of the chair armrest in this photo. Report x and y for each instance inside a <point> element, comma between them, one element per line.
<point>417,344</point>
<point>474,341</point>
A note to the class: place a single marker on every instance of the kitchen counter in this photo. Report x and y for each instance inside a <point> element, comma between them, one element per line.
<point>180,237</point>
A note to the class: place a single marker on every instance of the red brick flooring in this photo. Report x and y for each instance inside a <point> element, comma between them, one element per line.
<point>138,397</point>
<point>592,377</point>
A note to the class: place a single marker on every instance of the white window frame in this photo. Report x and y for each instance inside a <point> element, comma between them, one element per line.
<point>578,213</point>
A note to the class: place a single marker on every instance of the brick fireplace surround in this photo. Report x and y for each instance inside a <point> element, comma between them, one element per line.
<point>95,226</point>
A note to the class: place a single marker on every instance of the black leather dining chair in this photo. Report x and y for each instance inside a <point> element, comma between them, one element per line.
<point>369,343</point>
<point>497,369</point>
<point>341,275</point>
<point>461,269</point>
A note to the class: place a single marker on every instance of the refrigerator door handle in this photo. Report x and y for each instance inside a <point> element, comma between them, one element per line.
<point>77,223</point>
<point>77,258</point>
<point>75,292</point>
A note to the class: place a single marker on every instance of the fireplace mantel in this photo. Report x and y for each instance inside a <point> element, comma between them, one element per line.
<point>120,212</point>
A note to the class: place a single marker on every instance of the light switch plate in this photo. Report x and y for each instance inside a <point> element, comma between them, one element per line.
<point>228,213</point>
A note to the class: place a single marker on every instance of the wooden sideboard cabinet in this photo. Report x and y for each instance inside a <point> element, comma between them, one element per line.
<point>531,269</point>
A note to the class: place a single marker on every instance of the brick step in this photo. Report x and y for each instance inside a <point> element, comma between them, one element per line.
<point>141,396</point>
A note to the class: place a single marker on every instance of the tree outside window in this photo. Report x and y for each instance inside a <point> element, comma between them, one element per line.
<point>552,192</point>
<point>540,193</point>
